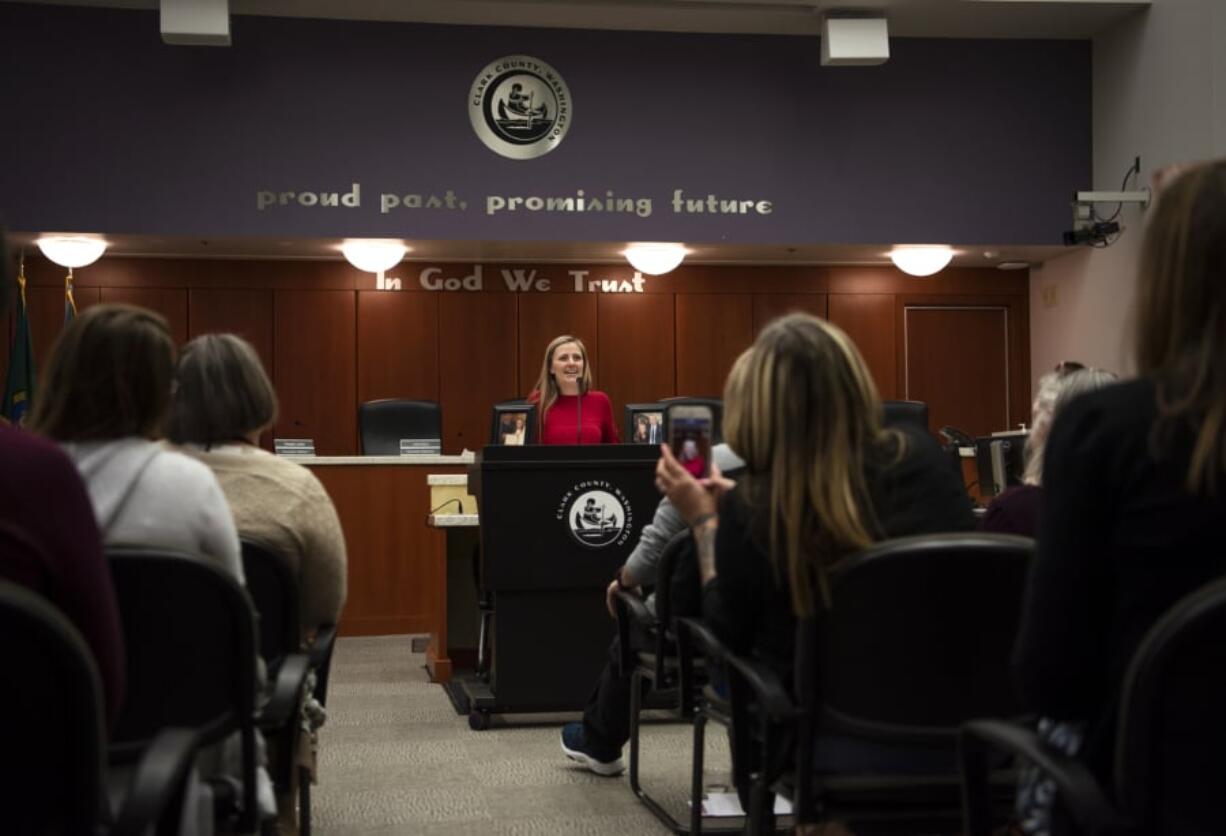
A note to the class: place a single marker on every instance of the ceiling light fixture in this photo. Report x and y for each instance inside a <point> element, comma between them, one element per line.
<point>921,261</point>
<point>655,259</point>
<point>72,251</point>
<point>374,256</point>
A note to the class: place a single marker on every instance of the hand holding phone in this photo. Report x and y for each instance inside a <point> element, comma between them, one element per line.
<point>689,438</point>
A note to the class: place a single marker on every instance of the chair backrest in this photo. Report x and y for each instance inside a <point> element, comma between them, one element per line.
<point>1169,767</point>
<point>189,631</point>
<point>384,422</point>
<point>273,587</point>
<point>906,412</point>
<point>918,638</point>
<point>669,557</point>
<point>53,742</point>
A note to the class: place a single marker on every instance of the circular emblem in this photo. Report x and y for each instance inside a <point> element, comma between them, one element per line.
<point>519,107</point>
<point>596,518</point>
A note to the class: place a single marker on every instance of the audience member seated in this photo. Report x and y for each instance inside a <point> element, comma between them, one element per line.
<point>223,403</point>
<point>51,543</point>
<point>105,393</point>
<point>597,741</point>
<point>1134,479</point>
<point>1016,511</point>
<point>822,480</point>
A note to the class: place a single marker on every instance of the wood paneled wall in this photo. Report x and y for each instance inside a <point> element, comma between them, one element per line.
<point>331,341</point>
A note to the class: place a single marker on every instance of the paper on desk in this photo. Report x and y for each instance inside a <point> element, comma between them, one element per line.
<point>726,804</point>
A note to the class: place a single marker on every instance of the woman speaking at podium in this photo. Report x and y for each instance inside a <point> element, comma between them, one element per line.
<point>571,411</point>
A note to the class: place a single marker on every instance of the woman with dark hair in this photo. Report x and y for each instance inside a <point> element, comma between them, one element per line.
<point>1133,477</point>
<point>223,403</point>
<point>105,394</point>
<point>570,410</point>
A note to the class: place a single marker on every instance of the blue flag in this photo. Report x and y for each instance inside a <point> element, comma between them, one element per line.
<point>19,384</point>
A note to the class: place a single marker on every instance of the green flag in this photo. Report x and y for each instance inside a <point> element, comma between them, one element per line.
<point>19,385</point>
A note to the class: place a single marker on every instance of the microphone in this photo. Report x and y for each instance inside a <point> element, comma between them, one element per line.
<point>579,422</point>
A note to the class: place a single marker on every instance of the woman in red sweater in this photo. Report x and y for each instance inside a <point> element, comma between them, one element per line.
<point>571,411</point>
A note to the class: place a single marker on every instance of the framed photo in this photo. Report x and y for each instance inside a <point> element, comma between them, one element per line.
<point>513,423</point>
<point>645,423</point>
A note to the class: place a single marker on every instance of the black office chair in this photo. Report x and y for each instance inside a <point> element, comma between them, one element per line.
<point>698,649</point>
<point>648,645</point>
<point>906,412</point>
<point>916,642</point>
<point>190,636</point>
<point>1171,731</point>
<point>53,770</point>
<point>274,591</point>
<point>384,422</point>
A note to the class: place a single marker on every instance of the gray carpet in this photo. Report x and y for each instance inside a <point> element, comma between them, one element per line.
<point>395,758</point>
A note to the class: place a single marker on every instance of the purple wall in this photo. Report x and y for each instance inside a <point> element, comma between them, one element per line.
<point>106,129</point>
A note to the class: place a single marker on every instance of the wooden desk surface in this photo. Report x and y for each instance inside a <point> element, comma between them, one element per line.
<point>396,560</point>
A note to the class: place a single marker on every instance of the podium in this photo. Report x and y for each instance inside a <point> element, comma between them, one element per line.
<point>556,523</point>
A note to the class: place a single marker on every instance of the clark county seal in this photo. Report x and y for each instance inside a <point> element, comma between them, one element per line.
<point>519,107</point>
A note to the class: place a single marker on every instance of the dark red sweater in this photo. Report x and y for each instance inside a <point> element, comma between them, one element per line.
<point>561,423</point>
<point>59,553</point>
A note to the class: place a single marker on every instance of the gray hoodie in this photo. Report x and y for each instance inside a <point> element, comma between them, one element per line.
<point>146,495</point>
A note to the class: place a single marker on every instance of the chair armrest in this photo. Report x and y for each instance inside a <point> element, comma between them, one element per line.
<point>321,648</point>
<point>157,782</point>
<point>636,608</point>
<point>286,693</point>
<point>630,611</point>
<point>1078,789</point>
<point>321,659</point>
<point>696,635</point>
<point>772,698</point>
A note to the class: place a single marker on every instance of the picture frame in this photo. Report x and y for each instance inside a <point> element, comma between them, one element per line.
<point>640,418</point>
<point>513,423</point>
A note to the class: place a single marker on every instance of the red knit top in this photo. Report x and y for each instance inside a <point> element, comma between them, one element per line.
<point>561,423</point>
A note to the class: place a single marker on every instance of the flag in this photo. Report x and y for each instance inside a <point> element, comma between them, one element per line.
<point>19,384</point>
<point>70,304</point>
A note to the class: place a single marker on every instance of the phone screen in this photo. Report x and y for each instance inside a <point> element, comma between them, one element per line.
<point>690,439</point>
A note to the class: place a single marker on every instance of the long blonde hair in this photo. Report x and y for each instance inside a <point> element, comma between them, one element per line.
<point>546,387</point>
<point>1181,318</point>
<point>802,411</point>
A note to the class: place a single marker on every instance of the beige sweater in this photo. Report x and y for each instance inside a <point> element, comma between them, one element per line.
<point>282,504</point>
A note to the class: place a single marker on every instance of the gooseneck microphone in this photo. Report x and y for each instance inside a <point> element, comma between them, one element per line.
<point>579,421</point>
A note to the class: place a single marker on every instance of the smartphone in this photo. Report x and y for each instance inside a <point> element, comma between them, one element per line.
<point>689,436</point>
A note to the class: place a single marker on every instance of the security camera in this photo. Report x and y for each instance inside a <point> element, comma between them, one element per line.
<point>1094,234</point>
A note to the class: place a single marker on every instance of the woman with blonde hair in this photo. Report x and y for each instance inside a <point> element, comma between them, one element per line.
<point>570,411</point>
<point>1135,492</point>
<point>823,479</point>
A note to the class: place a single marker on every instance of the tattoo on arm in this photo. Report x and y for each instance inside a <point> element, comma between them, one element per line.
<point>704,543</point>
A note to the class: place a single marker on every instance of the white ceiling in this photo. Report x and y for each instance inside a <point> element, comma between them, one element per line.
<point>908,18</point>
<point>1072,19</point>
